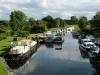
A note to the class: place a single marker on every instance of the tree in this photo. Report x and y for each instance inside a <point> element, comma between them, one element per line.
<point>49,20</point>
<point>17,19</point>
<point>57,22</point>
<point>74,20</point>
<point>39,27</point>
<point>83,22</point>
<point>4,27</point>
<point>32,23</point>
<point>62,23</point>
<point>95,21</point>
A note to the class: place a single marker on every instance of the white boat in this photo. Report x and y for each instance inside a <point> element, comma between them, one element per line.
<point>70,29</point>
<point>90,37</point>
<point>85,46</point>
<point>97,41</point>
<point>93,52</point>
<point>85,40</point>
<point>48,37</point>
<point>23,49</point>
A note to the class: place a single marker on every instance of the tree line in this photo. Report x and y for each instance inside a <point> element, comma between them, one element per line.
<point>19,23</point>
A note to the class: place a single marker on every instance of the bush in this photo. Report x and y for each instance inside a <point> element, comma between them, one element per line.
<point>23,33</point>
<point>2,37</point>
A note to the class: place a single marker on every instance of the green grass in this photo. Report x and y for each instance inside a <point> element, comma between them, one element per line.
<point>75,26</point>
<point>2,69</point>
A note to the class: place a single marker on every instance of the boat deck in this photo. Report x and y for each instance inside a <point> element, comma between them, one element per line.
<point>23,48</point>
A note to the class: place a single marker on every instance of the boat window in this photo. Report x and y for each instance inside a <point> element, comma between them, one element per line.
<point>90,45</point>
<point>84,44</point>
<point>94,48</point>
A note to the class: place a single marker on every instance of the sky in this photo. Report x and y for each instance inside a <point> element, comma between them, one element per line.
<point>38,9</point>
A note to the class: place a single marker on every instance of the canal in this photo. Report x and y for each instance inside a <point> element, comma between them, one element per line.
<point>57,59</point>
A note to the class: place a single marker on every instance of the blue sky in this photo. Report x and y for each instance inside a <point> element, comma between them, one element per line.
<point>56,8</point>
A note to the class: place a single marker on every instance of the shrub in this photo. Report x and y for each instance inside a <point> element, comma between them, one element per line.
<point>23,33</point>
<point>2,37</point>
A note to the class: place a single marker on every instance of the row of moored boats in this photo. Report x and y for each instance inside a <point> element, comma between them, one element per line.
<point>27,46</point>
<point>90,45</point>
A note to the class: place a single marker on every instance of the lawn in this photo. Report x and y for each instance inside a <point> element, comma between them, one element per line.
<point>2,69</point>
<point>75,26</point>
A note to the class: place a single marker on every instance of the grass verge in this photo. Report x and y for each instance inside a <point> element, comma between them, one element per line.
<point>3,70</point>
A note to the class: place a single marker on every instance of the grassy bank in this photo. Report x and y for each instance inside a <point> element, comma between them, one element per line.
<point>2,69</point>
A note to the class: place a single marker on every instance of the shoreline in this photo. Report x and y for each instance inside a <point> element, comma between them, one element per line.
<point>9,70</point>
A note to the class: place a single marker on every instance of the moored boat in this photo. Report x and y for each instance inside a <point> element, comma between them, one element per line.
<point>85,46</point>
<point>58,39</point>
<point>23,49</point>
<point>97,41</point>
<point>47,37</point>
<point>93,52</point>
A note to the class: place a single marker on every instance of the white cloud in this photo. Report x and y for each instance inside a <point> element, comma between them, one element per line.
<point>45,13</point>
<point>7,6</point>
<point>52,11</point>
<point>65,14</point>
<point>66,55</point>
<point>56,8</point>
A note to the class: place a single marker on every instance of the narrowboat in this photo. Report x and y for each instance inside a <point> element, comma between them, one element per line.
<point>22,50</point>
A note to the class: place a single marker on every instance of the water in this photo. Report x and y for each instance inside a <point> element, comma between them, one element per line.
<point>57,59</point>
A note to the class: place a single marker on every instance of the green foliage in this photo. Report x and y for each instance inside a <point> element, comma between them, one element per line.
<point>17,19</point>
<point>95,21</point>
<point>23,33</point>
<point>83,22</point>
<point>49,20</point>
<point>74,20</point>
<point>39,27</point>
<point>57,22</point>
<point>62,23</point>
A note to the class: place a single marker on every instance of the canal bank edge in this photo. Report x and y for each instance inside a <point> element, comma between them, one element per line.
<point>10,72</point>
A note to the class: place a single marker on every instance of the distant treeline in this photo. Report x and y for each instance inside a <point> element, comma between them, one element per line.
<point>19,23</point>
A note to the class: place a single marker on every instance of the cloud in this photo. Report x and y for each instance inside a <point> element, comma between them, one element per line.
<point>56,8</point>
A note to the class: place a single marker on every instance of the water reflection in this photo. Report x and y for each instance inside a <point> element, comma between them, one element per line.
<point>49,45</point>
<point>49,61</point>
<point>58,46</point>
<point>26,68</point>
<point>84,54</point>
<point>95,63</point>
